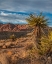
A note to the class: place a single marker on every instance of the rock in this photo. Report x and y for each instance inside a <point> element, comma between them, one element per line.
<point>8,44</point>
<point>4,46</point>
<point>49,60</point>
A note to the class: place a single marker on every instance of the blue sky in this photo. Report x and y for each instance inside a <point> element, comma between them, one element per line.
<point>16,11</point>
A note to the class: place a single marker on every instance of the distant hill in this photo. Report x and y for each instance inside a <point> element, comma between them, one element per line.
<point>12,27</point>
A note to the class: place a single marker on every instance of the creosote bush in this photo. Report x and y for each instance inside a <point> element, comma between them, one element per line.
<point>13,37</point>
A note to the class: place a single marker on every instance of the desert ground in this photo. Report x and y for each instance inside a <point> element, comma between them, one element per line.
<point>17,51</point>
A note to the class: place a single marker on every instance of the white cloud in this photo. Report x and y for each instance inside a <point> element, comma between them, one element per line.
<point>4,14</point>
<point>12,17</point>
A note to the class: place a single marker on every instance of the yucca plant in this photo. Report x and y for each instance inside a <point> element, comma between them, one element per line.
<point>37,22</point>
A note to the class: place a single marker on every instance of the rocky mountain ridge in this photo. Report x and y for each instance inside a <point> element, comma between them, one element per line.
<point>12,27</point>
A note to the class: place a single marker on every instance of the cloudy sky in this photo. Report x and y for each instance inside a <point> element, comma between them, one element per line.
<point>15,11</point>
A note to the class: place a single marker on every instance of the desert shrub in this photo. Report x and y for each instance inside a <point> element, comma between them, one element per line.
<point>13,37</point>
<point>29,46</point>
<point>33,54</point>
<point>46,44</point>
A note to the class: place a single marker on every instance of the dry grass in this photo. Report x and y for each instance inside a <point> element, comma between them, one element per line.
<point>9,53</point>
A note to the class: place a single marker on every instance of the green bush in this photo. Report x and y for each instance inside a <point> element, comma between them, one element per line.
<point>46,44</point>
<point>13,37</point>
